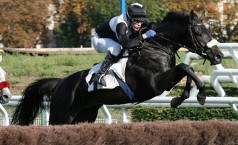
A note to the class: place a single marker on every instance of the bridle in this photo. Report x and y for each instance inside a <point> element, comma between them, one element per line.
<point>197,45</point>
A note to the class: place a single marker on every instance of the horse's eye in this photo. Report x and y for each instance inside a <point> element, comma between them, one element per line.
<point>197,30</point>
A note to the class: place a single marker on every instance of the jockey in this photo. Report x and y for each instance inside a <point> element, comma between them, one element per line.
<point>120,32</point>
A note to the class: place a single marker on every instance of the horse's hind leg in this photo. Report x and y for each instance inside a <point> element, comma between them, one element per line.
<point>87,114</point>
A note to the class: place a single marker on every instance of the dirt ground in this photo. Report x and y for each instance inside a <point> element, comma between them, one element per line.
<point>147,133</point>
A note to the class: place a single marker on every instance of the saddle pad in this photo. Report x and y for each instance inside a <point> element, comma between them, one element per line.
<point>118,68</point>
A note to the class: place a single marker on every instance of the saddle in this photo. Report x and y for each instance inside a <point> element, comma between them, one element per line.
<point>116,71</point>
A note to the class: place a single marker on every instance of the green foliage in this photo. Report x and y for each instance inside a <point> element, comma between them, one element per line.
<point>22,21</point>
<point>100,11</point>
<point>152,114</point>
<point>73,29</point>
<point>97,12</point>
<point>221,17</point>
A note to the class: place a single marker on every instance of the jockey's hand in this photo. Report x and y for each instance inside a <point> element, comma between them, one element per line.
<point>148,34</point>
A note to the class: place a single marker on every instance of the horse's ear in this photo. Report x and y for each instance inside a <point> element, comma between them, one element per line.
<point>192,15</point>
<point>202,16</point>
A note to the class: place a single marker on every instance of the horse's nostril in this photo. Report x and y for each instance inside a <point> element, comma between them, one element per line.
<point>218,57</point>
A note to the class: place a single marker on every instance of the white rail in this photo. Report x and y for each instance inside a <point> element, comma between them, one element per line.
<point>211,102</point>
<point>219,75</point>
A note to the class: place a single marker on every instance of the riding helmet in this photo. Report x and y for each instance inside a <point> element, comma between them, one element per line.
<point>136,11</point>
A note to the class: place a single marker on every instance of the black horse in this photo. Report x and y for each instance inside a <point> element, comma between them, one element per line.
<point>147,75</point>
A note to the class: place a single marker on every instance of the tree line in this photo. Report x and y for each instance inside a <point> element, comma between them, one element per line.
<point>25,23</point>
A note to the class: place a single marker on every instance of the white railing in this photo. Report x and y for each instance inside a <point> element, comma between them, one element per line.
<point>211,102</point>
<point>219,75</point>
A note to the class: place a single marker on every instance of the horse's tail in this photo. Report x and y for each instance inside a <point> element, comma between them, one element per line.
<point>32,99</point>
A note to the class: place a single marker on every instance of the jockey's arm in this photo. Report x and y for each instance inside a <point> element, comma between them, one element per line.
<point>124,39</point>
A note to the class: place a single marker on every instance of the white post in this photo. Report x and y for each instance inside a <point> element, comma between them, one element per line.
<point>47,116</point>
<point>93,32</point>
<point>107,114</point>
<point>124,116</point>
<point>5,116</point>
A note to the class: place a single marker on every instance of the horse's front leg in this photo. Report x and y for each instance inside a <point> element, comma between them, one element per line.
<point>185,70</point>
<point>201,97</point>
<point>176,101</point>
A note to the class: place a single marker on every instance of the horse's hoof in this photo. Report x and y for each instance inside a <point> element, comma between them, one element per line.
<point>176,101</point>
<point>201,99</point>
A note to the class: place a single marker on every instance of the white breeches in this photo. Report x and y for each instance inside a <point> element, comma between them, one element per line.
<point>103,45</point>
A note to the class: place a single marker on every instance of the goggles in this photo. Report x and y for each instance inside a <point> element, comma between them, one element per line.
<point>136,21</point>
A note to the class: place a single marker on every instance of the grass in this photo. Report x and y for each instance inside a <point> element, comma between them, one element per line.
<point>24,69</point>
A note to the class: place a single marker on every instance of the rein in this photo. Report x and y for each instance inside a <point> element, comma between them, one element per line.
<point>195,42</point>
<point>162,47</point>
<point>179,44</point>
<point>170,40</point>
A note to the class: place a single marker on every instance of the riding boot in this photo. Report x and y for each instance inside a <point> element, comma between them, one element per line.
<point>98,78</point>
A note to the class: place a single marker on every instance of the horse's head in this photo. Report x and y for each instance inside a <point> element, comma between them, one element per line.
<point>182,30</point>
<point>200,40</point>
<point>5,94</point>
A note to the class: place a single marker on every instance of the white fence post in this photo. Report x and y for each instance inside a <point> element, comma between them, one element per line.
<point>4,115</point>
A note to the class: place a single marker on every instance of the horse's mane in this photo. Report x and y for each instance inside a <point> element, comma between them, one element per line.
<point>171,17</point>
<point>176,17</point>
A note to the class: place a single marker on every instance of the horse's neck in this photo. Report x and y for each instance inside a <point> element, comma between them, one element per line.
<point>172,31</point>
<point>153,58</point>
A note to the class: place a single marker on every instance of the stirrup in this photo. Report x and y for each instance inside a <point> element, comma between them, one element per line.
<point>98,78</point>
<point>102,82</point>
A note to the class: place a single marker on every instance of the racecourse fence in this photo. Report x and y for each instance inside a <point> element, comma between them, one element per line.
<point>159,101</point>
<point>218,76</point>
<point>38,121</point>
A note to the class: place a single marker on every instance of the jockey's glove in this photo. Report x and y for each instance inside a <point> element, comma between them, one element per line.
<point>148,34</point>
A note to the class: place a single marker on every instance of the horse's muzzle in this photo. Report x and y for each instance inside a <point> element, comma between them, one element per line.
<point>214,55</point>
